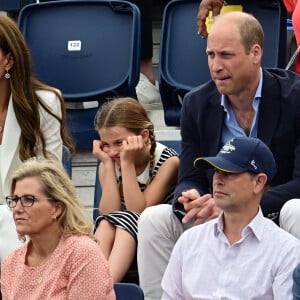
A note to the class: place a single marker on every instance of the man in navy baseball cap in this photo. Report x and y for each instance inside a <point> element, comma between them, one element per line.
<point>241,155</point>
<point>209,260</point>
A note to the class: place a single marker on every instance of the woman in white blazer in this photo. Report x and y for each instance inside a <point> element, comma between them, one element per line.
<point>32,120</point>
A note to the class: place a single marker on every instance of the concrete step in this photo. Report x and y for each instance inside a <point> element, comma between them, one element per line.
<point>83,177</point>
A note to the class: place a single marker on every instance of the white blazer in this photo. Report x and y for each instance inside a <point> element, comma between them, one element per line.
<point>10,160</point>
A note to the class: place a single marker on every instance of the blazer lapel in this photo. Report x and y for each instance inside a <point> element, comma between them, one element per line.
<point>269,109</point>
<point>10,142</point>
<point>214,120</point>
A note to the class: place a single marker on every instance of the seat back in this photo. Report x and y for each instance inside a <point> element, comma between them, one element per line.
<point>88,49</point>
<point>8,5</point>
<point>97,193</point>
<point>67,160</point>
<point>128,291</point>
<point>183,59</point>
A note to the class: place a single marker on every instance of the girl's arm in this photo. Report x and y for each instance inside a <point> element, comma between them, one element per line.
<point>165,178</point>
<point>133,196</point>
<point>135,199</point>
<point>110,198</point>
<point>132,148</point>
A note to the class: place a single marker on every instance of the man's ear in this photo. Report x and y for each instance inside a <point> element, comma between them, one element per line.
<point>260,182</point>
<point>256,52</point>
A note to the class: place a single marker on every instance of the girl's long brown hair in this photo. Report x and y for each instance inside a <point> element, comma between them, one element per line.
<point>130,114</point>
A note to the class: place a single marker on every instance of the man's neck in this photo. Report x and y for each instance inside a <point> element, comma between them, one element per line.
<point>235,223</point>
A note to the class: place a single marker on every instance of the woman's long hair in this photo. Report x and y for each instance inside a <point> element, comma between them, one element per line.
<point>24,86</point>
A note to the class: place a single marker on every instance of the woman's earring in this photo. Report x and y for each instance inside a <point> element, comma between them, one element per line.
<point>6,75</point>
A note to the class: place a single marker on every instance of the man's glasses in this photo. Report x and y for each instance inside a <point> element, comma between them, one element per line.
<point>26,200</point>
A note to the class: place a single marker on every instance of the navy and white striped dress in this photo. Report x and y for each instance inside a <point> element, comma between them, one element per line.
<point>125,219</point>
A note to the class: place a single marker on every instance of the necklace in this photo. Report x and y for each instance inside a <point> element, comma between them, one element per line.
<point>40,272</point>
<point>1,129</point>
<point>40,279</point>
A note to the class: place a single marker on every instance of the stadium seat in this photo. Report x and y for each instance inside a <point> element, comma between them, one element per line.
<point>8,5</point>
<point>67,160</point>
<point>183,59</point>
<point>128,291</point>
<point>88,49</point>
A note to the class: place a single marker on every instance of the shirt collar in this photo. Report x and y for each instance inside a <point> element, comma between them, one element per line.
<point>257,96</point>
<point>255,226</point>
<point>142,178</point>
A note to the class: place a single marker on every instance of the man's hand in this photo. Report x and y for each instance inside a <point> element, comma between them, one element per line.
<point>204,8</point>
<point>198,208</point>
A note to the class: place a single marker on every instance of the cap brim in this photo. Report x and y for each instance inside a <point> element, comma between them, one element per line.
<point>218,163</point>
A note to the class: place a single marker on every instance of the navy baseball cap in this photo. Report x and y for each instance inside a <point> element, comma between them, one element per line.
<point>241,155</point>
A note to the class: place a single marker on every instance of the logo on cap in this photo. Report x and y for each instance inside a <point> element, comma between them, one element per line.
<point>228,148</point>
<point>253,164</point>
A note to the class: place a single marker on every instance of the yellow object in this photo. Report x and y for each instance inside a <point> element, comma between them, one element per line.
<point>224,10</point>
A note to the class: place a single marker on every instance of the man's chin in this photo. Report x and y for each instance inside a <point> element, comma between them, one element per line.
<point>223,89</point>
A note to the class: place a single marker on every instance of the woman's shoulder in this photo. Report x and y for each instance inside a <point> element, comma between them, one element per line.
<point>78,249</point>
<point>51,100</point>
<point>81,243</point>
<point>48,96</point>
<point>14,257</point>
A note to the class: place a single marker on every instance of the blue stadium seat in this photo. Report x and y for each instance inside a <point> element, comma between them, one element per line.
<point>128,291</point>
<point>67,160</point>
<point>88,49</point>
<point>183,60</point>
<point>8,5</point>
<point>97,193</point>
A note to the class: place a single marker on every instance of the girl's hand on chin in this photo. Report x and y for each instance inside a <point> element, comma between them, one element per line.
<point>99,153</point>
